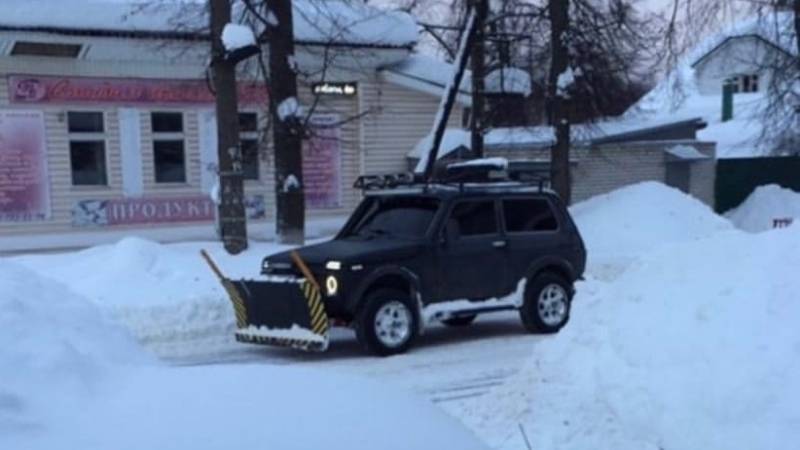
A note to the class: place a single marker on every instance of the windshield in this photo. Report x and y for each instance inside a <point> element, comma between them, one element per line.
<point>406,217</point>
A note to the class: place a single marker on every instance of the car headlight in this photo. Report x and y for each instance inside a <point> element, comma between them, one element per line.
<point>333,265</point>
<point>331,285</point>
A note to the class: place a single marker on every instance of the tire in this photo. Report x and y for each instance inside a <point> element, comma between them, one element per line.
<point>546,306</point>
<point>461,321</point>
<point>387,323</point>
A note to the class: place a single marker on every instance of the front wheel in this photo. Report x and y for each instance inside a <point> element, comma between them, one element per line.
<point>547,303</point>
<point>387,324</point>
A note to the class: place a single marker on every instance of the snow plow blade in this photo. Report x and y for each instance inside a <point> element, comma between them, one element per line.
<point>286,312</point>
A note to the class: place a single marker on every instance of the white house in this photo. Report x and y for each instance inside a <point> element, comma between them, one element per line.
<point>745,54</point>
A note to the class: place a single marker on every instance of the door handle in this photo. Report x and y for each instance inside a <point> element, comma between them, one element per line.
<point>499,244</point>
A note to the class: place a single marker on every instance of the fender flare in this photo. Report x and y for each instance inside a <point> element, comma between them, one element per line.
<point>561,265</point>
<point>369,281</point>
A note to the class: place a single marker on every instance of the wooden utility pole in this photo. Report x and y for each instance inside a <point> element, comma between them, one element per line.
<point>231,209</point>
<point>287,126</point>
<point>558,116</point>
<point>478,66</point>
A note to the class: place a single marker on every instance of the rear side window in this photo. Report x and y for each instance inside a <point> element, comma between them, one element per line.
<point>473,218</point>
<point>529,214</point>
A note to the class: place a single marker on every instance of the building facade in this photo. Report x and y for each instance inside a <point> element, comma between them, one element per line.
<point>112,132</point>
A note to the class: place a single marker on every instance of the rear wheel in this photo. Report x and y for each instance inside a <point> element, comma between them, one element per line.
<point>547,303</point>
<point>387,323</point>
<point>460,321</point>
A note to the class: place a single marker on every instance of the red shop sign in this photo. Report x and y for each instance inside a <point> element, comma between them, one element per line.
<point>38,89</point>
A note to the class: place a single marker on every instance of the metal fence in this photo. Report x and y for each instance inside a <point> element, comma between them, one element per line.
<point>737,178</point>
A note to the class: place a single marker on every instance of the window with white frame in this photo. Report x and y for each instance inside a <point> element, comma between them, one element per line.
<point>169,153</point>
<point>87,148</point>
<point>745,83</point>
<point>248,142</point>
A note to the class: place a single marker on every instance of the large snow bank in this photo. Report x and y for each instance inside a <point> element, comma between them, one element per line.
<point>763,205</point>
<point>695,346</point>
<point>635,219</point>
<point>71,379</point>
<point>50,338</point>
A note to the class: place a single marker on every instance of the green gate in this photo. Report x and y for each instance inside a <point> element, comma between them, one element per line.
<point>737,178</point>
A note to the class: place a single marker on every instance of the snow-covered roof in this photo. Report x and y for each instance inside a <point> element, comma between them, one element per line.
<point>542,136</point>
<point>686,152</point>
<point>775,28</point>
<point>677,96</point>
<point>315,21</point>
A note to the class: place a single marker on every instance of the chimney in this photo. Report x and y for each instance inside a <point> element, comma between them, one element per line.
<point>727,99</point>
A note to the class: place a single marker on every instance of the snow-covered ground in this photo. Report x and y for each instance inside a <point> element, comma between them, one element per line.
<point>682,336</point>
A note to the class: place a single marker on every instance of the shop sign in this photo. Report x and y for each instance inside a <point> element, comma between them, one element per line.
<point>345,89</point>
<point>322,164</point>
<point>154,210</point>
<point>24,185</point>
<point>53,89</point>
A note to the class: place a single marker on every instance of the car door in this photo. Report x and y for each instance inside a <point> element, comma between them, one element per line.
<point>531,230</point>
<point>473,256</point>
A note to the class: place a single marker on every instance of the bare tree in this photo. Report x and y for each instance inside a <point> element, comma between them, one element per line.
<point>560,80</point>
<point>231,207</point>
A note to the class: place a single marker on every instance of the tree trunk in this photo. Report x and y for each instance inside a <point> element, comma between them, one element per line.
<point>557,112</point>
<point>231,209</point>
<point>796,8</point>
<point>478,65</point>
<point>287,132</point>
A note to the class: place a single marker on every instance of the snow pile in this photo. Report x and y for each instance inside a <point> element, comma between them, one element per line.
<point>245,406</point>
<point>235,36</point>
<point>50,338</point>
<point>694,346</point>
<point>763,206</point>
<point>70,379</point>
<point>164,294</point>
<point>636,219</point>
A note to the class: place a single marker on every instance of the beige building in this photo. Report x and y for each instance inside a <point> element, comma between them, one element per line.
<point>108,127</point>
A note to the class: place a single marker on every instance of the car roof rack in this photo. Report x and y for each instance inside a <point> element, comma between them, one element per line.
<point>465,177</point>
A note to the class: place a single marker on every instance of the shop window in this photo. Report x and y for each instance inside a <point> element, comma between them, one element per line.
<point>169,153</point>
<point>25,48</point>
<point>87,148</point>
<point>248,142</point>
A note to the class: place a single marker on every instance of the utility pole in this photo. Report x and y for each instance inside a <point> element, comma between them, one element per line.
<point>287,127</point>
<point>478,66</point>
<point>231,209</point>
<point>428,163</point>
<point>557,111</point>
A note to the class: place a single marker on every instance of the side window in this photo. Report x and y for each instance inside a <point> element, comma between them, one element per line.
<point>87,148</point>
<point>473,218</point>
<point>169,158</point>
<point>529,214</point>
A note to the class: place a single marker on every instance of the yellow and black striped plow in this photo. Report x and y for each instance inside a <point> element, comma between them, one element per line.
<point>285,312</point>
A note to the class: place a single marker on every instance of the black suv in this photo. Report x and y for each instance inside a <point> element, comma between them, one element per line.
<point>415,253</point>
